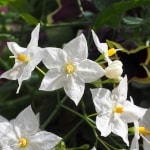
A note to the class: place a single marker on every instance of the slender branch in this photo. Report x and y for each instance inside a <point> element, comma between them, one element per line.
<point>58,106</point>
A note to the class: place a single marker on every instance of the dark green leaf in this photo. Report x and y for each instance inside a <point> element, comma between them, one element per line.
<point>113,14</point>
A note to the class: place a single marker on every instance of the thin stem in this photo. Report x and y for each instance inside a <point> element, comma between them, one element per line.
<point>72,130</point>
<point>106,145</point>
<point>66,24</point>
<point>43,9</point>
<point>58,106</point>
<point>71,110</point>
<point>40,70</point>
<point>92,115</point>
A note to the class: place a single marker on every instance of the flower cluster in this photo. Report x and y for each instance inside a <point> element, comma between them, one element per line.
<point>70,68</point>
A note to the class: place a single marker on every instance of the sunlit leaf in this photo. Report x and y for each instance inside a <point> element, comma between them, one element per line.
<point>29,19</point>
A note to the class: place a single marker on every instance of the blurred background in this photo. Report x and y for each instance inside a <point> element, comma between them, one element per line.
<point>126,22</point>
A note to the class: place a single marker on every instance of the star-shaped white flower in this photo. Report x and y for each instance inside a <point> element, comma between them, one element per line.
<point>69,68</point>
<point>142,129</point>
<point>103,48</point>
<point>23,133</point>
<point>26,59</point>
<point>114,111</point>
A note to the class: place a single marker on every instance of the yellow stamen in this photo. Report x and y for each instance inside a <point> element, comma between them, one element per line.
<point>23,142</point>
<point>23,58</point>
<point>69,68</point>
<point>111,52</point>
<point>118,109</point>
<point>144,131</point>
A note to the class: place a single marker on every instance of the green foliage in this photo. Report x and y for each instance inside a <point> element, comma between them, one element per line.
<point>101,4</point>
<point>29,19</point>
<point>112,15</point>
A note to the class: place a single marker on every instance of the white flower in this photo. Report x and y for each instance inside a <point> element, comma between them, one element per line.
<point>114,111</point>
<point>26,59</point>
<point>103,48</point>
<point>70,68</point>
<point>142,129</point>
<point>23,133</point>
<point>114,70</point>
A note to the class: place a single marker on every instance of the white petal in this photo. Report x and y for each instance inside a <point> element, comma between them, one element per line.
<point>53,80</point>
<point>93,148</point>
<point>74,88</point>
<point>24,75</point>
<point>3,119</point>
<point>27,121</point>
<point>7,134</point>
<point>114,70</point>
<point>146,119</point>
<point>146,145</point>
<point>53,57</point>
<point>77,49</point>
<point>45,140</point>
<point>134,142</point>
<point>121,129</point>
<point>34,36</point>
<point>101,98</point>
<point>89,71</point>
<point>15,48</point>
<point>102,47</point>
<point>14,73</point>
<point>103,124</point>
<point>35,57</point>
<point>120,92</point>
<point>132,112</point>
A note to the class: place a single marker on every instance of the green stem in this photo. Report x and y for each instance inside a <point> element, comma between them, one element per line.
<point>106,145</point>
<point>40,70</point>
<point>67,24</point>
<point>72,130</point>
<point>92,115</point>
<point>58,106</point>
<point>74,112</point>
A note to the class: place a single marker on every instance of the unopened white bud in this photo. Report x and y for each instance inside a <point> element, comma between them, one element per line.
<point>114,70</point>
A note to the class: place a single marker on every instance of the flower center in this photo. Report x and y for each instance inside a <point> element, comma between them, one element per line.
<point>144,131</point>
<point>23,142</point>
<point>111,52</point>
<point>23,58</point>
<point>69,68</point>
<point>118,109</point>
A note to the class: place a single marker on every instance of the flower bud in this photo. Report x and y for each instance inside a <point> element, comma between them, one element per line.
<point>114,70</point>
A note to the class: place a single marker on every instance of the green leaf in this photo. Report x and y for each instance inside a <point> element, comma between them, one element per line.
<point>21,6</point>
<point>112,15</point>
<point>102,4</point>
<point>29,19</point>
